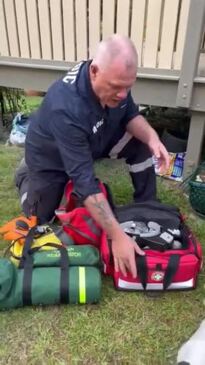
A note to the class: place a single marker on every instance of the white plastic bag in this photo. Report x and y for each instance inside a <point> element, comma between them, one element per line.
<point>17,138</point>
<point>19,129</point>
<point>192,352</point>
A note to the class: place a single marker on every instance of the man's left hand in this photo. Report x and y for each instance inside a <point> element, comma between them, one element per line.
<point>161,154</point>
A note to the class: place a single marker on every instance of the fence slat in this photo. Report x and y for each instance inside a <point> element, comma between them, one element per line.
<point>123,7</point>
<point>4,50</point>
<point>152,33</point>
<point>81,29</point>
<point>168,33</point>
<point>68,28</point>
<point>137,26</point>
<point>45,29</point>
<point>56,29</point>
<point>11,26</point>
<point>33,29</point>
<point>22,28</point>
<point>108,23</point>
<point>94,25</point>
<point>181,33</point>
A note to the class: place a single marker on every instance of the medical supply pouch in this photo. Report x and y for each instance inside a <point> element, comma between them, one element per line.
<point>47,285</point>
<point>77,221</point>
<point>173,256</point>
<point>40,238</point>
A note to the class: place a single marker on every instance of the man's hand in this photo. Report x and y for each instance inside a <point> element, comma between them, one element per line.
<point>160,153</point>
<point>140,128</point>
<point>123,247</point>
<point>124,250</point>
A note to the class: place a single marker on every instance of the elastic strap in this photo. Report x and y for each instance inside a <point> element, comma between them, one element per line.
<point>90,222</point>
<point>83,234</point>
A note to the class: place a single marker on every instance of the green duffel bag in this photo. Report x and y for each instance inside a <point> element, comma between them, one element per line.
<point>78,255</point>
<point>47,285</point>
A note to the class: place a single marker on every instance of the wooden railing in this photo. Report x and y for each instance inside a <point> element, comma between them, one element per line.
<point>69,30</point>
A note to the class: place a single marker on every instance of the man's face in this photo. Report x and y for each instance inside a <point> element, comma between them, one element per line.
<point>112,84</point>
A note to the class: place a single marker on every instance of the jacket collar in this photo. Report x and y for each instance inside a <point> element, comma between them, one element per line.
<point>85,88</point>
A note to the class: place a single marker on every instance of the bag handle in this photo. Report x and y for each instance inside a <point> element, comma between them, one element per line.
<point>171,270</point>
<point>142,270</point>
<point>27,245</point>
<point>27,263</point>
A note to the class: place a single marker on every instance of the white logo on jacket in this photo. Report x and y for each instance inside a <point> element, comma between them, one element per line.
<point>72,74</point>
<point>98,125</point>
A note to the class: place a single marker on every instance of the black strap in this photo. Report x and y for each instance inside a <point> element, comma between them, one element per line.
<point>64,281</point>
<point>29,241</point>
<point>171,270</point>
<point>27,280</point>
<point>28,268</point>
<point>91,224</point>
<point>27,245</point>
<point>83,234</point>
<point>142,270</point>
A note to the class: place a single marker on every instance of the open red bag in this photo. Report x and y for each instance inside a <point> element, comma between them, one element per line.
<point>77,221</point>
<point>163,267</point>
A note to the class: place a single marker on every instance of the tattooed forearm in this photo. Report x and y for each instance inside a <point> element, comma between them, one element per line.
<point>100,210</point>
<point>103,210</point>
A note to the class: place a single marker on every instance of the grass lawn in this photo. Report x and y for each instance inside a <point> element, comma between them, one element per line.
<point>125,328</point>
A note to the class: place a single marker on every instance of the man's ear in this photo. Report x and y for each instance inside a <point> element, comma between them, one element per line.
<point>93,71</point>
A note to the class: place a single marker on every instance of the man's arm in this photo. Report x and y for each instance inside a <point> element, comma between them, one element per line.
<point>123,247</point>
<point>77,158</point>
<point>141,129</point>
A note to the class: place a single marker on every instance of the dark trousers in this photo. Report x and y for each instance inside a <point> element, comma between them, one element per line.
<point>41,199</point>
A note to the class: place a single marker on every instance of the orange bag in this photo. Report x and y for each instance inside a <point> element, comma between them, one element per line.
<point>18,228</point>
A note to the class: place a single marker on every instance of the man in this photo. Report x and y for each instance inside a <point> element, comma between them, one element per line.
<point>90,114</point>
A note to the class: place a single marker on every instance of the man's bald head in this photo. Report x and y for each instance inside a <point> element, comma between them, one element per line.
<point>113,70</point>
<point>116,48</point>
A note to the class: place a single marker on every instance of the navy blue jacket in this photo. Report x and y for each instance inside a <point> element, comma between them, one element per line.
<point>71,129</point>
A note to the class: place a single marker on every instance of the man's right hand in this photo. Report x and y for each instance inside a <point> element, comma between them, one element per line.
<point>124,250</point>
<point>123,247</point>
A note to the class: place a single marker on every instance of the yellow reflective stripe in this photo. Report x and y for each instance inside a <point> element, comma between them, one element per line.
<point>82,289</point>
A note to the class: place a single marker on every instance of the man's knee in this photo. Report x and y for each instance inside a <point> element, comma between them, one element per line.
<point>43,201</point>
<point>37,197</point>
<point>141,168</point>
<point>22,184</point>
